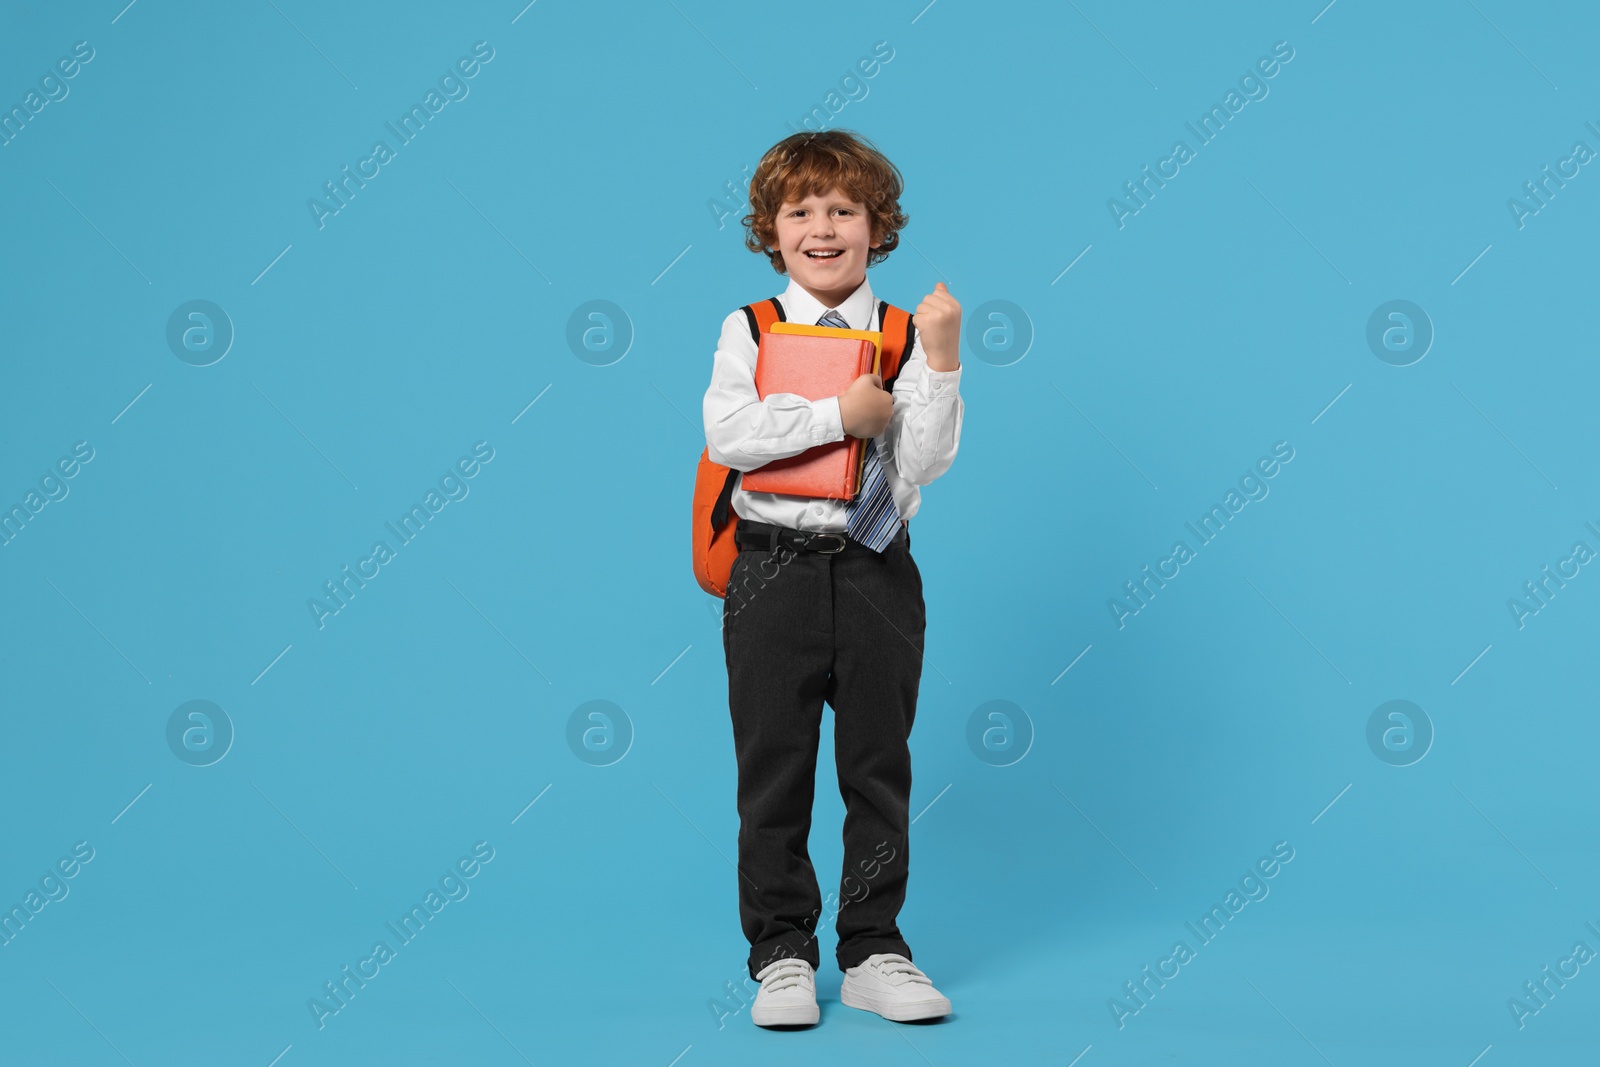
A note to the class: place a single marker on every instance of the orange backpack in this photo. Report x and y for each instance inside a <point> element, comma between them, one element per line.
<point>714,517</point>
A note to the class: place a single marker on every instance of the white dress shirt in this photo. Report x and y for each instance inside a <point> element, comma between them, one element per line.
<point>744,431</point>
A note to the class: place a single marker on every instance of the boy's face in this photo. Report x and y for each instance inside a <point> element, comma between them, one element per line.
<point>824,240</point>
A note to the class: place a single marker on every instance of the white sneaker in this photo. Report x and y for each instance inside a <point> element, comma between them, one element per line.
<point>892,986</point>
<point>788,994</point>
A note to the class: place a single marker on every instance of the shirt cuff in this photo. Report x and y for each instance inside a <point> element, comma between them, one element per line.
<point>830,421</point>
<point>941,383</point>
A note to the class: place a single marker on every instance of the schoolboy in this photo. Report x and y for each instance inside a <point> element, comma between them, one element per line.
<point>824,603</point>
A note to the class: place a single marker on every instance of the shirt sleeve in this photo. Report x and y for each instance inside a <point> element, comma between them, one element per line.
<point>744,431</point>
<point>925,430</point>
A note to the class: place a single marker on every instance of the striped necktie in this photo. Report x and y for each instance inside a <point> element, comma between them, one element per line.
<point>871,517</point>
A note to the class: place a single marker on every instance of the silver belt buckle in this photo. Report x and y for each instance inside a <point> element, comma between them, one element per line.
<point>826,551</point>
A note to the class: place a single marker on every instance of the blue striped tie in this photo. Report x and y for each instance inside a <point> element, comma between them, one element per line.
<point>871,518</point>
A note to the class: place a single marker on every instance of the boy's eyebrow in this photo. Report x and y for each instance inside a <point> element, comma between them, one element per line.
<point>832,203</point>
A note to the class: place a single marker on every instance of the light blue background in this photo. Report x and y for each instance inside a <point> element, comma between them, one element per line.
<point>1228,715</point>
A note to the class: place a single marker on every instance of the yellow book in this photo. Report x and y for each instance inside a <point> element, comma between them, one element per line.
<point>875,336</point>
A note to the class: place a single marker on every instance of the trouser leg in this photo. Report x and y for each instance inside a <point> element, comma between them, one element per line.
<point>880,618</point>
<point>778,641</point>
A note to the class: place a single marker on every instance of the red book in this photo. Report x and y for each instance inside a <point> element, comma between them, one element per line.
<point>815,367</point>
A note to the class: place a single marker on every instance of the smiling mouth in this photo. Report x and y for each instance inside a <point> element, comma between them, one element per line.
<point>824,255</point>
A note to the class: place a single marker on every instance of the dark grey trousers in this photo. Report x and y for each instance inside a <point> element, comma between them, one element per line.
<point>800,629</point>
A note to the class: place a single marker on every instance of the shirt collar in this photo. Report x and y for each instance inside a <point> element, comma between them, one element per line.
<point>857,309</point>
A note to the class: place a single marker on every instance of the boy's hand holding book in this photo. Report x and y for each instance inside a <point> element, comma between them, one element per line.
<point>865,407</point>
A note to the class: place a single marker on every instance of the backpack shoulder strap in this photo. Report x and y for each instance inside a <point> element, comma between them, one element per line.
<point>899,335</point>
<point>724,505</point>
<point>762,315</point>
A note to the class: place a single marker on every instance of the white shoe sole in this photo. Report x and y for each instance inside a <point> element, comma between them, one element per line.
<point>894,1011</point>
<point>785,1014</point>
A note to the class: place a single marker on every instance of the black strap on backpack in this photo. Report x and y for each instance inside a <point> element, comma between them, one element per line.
<point>750,317</point>
<point>905,350</point>
<point>719,513</point>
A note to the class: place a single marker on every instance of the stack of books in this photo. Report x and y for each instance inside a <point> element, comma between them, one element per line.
<point>815,362</point>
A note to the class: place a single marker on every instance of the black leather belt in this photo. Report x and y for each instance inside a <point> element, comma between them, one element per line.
<point>763,535</point>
